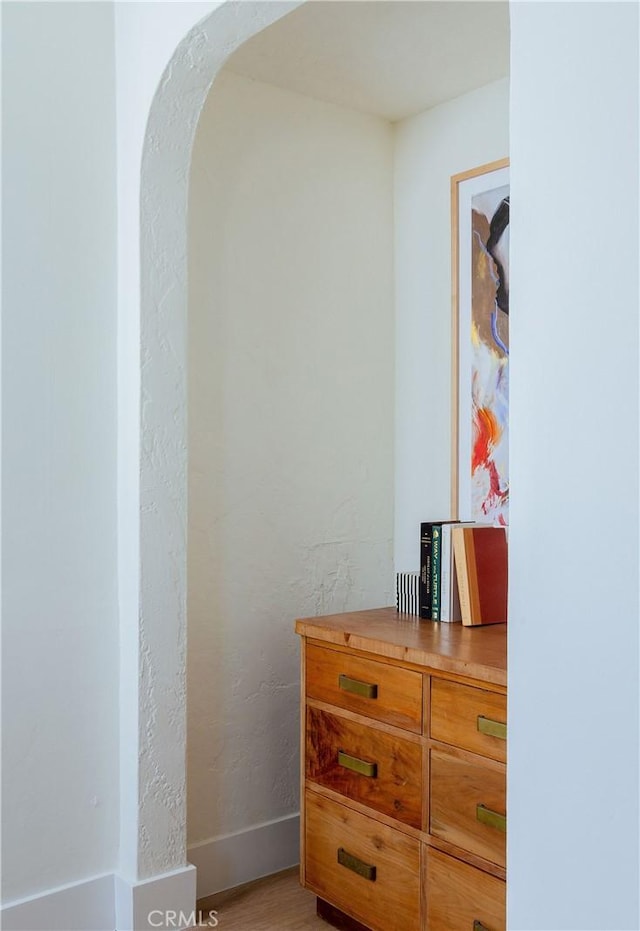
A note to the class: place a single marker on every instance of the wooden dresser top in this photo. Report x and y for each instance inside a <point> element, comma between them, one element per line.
<point>477,652</point>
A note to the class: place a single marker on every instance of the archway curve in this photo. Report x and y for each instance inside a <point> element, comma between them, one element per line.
<point>168,142</point>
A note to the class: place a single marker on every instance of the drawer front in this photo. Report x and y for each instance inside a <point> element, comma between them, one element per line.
<point>468,805</point>
<point>380,691</point>
<point>468,717</point>
<point>371,766</point>
<point>461,897</point>
<point>365,868</point>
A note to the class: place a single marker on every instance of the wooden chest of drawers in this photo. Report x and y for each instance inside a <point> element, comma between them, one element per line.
<point>403,810</point>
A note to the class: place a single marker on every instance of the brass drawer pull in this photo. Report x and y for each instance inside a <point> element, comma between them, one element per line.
<point>358,766</point>
<point>478,926</point>
<point>492,728</point>
<point>356,865</point>
<point>492,819</point>
<point>365,689</point>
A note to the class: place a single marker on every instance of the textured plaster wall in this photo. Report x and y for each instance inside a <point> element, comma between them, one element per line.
<point>152,68</point>
<point>59,598</point>
<point>152,399</point>
<point>463,133</point>
<point>291,332</point>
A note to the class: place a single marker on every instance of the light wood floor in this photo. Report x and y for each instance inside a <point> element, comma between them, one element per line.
<point>275,903</point>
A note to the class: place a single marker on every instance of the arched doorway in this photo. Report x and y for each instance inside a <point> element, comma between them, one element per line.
<point>152,470</point>
<point>163,457</point>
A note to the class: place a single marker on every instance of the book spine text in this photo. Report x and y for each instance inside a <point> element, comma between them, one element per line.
<point>436,550</point>
<point>424,585</point>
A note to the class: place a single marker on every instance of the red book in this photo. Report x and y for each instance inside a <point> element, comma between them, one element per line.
<point>480,555</point>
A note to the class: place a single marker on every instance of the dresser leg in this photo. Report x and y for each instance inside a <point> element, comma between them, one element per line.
<point>335,917</point>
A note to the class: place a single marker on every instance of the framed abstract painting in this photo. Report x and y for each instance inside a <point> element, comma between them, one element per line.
<point>480,390</point>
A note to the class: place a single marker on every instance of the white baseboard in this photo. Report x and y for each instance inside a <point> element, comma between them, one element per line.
<point>233,859</point>
<point>82,906</point>
<point>109,903</point>
<point>162,902</point>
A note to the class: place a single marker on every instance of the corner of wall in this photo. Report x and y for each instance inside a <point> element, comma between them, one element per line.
<point>166,901</point>
<point>108,902</point>
<point>233,859</point>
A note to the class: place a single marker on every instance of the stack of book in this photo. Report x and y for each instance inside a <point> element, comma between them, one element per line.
<point>463,573</point>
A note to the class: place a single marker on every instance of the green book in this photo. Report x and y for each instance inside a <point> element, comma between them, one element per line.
<point>436,560</point>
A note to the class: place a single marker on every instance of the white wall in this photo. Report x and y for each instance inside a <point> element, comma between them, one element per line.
<point>290,424</point>
<point>60,663</point>
<point>453,137</point>
<point>573,635</point>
